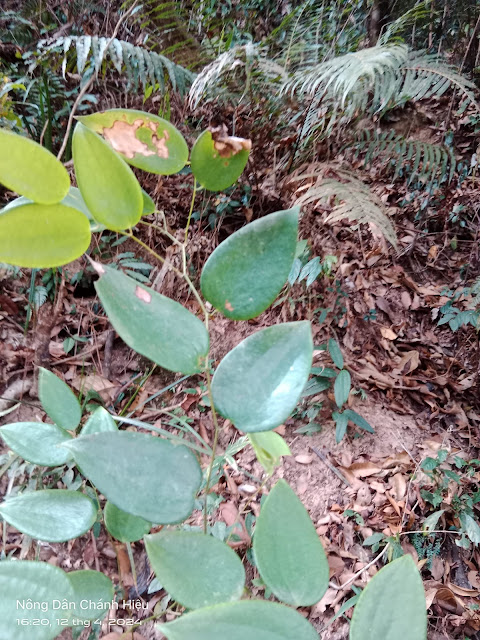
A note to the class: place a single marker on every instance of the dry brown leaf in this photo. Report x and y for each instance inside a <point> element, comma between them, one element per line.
<point>388,333</point>
<point>364,469</point>
<point>304,458</point>
<point>399,486</point>
<point>408,363</point>
<point>93,382</point>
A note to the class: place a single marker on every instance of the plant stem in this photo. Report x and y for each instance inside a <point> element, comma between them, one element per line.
<point>191,209</point>
<point>214,446</point>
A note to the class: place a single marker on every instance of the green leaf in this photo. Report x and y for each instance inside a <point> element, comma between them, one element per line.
<point>341,422</point>
<point>341,388</point>
<point>99,422</point>
<point>246,272</point>
<point>244,620</point>
<point>163,478</point>
<point>258,384</point>
<point>214,167</point>
<point>358,420</point>
<point>335,353</point>
<point>153,325</point>
<point>108,185</point>
<point>30,170</point>
<point>23,583</point>
<point>392,605</point>
<point>37,442</point>
<point>431,522</point>
<point>197,570</point>
<point>148,204</point>
<point>42,236</point>
<point>375,538</point>
<point>288,551</point>
<point>92,592</point>
<point>470,526</point>
<point>54,515</point>
<point>123,526</point>
<point>142,139</point>
<point>269,447</point>
<point>58,400</point>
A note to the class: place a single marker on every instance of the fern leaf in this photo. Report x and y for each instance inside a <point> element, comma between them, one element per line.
<point>352,199</point>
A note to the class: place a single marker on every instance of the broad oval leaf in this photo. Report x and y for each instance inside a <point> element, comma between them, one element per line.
<point>99,422</point>
<point>163,478</point>
<point>23,583</point>
<point>244,620</point>
<point>30,170</point>
<point>216,164</point>
<point>142,139</point>
<point>341,387</point>
<point>153,325</point>
<point>58,400</point>
<point>269,447</point>
<point>93,592</point>
<point>197,570</point>
<point>108,185</point>
<point>288,551</point>
<point>42,236</point>
<point>123,526</point>
<point>246,272</point>
<point>37,442</point>
<point>392,605</point>
<point>54,515</point>
<point>258,384</point>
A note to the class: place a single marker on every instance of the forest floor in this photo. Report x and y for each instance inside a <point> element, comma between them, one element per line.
<point>416,383</point>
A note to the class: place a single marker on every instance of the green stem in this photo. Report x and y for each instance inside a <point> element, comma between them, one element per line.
<point>214,446</point>
<point>191,209</point>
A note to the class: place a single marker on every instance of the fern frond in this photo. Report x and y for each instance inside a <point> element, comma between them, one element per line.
<point>139,65</point>
<point>351,198</point>
<point>240,65</point>
<point>417,160</point>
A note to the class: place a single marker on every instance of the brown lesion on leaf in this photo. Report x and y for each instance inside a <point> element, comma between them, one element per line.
<point>228,146</point>
<point>143,294</point>
<point>228,306</point>
<point>124,138</point>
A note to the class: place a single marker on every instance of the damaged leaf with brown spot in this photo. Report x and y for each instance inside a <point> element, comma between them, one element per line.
<point>218,159</point>
<point>153,325</point>
<point>142,139</point>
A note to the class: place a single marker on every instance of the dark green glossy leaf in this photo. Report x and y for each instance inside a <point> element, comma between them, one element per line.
<point>23,583</point>
<point>54,515</point>
<point>341,422</point>
<point>288,551</point>
<point>246,272</point>
<point>358,420</point>
<point>99,422</point>
<point>163,478</point>
<point>30,170</point>
<point>258,384</point>
<point>151,324</point>
<point>93,591</point>
<point>107,184</point>
<point>335,353</point>
<point>37,442</point>
<point>341,388</point>
<point>216,164</point>
<point>42,236</point>
<point>392,605</point>
<point>244,620</point>
<point>58,400</point>
<point>142,139</point>
<point>123,526</point>
<point>197,570</point>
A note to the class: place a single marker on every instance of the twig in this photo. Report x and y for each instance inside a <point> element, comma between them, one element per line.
<point>323,458</point>
<point>339,587</point>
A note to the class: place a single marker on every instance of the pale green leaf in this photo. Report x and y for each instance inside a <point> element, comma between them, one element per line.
<point>58,400</point>
<point>42,236</point>
<point>392,605</point>
<point>30,170</point>
<point>37,442</point>
<point>246,272</point>
<point>288,551</point>
<point>215,163</point>
<point>99,422</point>
<point>269,447</point>
<point>258,384</point>
<point>244,620</point>
<point>163,478</point>
<point>93,591</point>
<point>54,515</point>
<point>197,570</point>
<point>153,325</point>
